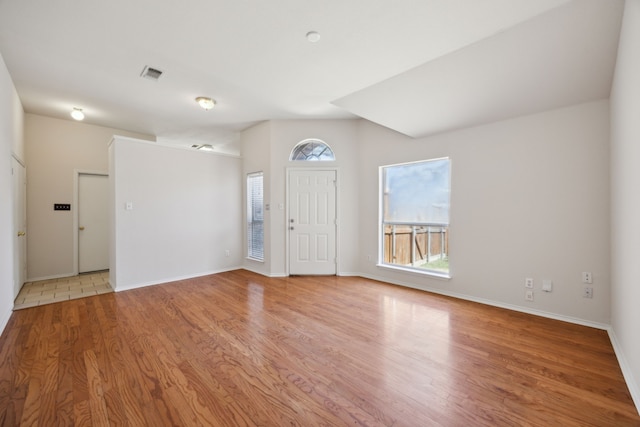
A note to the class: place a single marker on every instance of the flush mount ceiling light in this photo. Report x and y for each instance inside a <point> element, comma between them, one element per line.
<point>77,114</point>
<point>205,147</point>
<point>313,36</point>
<point>206,103</point>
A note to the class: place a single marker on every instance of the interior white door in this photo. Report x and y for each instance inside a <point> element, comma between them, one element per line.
<point>312,222</point>
<point>93,222</point>
<point>19,225</point>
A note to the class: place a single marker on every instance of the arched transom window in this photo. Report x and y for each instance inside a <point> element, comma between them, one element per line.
<point>312,150</point>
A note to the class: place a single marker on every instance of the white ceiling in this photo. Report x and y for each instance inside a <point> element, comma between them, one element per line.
<point>416,66</point>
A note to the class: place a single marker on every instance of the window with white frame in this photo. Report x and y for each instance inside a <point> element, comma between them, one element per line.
<point>255,216</point>
<point>415,200</point>
<point>310,150</point>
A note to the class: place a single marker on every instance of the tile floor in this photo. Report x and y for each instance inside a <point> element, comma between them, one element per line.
<point>62,289</point>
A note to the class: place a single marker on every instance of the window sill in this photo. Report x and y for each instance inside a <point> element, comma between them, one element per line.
<point>255,259</point>
<point>416,271</point>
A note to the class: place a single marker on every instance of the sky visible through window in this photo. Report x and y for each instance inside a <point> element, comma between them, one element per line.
<point>417,192</point>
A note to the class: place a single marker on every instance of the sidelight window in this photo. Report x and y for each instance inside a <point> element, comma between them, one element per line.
<point>255,216</point>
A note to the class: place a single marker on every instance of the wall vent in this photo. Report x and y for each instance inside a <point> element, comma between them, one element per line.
<point>151,73</point>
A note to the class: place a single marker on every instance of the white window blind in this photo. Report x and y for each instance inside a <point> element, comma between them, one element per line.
<point>255,216</point>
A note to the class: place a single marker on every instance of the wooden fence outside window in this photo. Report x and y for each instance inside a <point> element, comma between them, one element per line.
<point>415,244</point>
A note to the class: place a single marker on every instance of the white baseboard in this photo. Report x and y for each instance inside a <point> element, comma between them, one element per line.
<point>262,273</point>
<point>55,276</point>
<point>120,288</point>
<point>254,270</point>
<point>348,274</point>
<point>513,307</point>
<point>634,389</point>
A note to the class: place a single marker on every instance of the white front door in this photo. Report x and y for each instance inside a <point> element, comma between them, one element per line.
<point>19,225</point>
<point>312,222</point>
<point>93,222</point>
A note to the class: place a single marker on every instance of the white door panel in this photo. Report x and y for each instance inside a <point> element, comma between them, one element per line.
<point>312,226</point>
<point>19,225</point>
<point>93,222</point>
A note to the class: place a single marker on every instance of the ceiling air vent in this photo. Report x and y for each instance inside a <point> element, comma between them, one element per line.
<point>151,73</point>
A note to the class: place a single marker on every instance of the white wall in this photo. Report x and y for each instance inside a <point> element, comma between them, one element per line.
<point>341,136</point>
<point>55,148</point>
<point>625,202</point>
<point>255,147</point>
<point>529,199</point>
<point>186,213</point>
<point>11,143</point>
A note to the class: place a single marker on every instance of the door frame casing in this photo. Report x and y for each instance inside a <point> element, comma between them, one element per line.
<point>76,211</point>
<point>287,219</point>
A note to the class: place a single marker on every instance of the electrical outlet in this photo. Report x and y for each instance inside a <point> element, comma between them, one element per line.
<point>587,292</point>
<point>587,277</point>
<point>528,283</point>
<point>227,253</point>
<point>547,285</point>
<point>528,295</point>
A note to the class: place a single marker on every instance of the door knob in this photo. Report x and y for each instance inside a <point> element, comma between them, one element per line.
<point>21,233</point>
<point>81,228</point>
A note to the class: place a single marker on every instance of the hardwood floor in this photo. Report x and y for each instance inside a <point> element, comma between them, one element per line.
<point>237,349</point>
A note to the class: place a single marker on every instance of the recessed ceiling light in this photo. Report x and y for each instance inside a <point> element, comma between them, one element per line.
<point>206,103</point>
<point>313,36</point>
<point>77,114</point>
